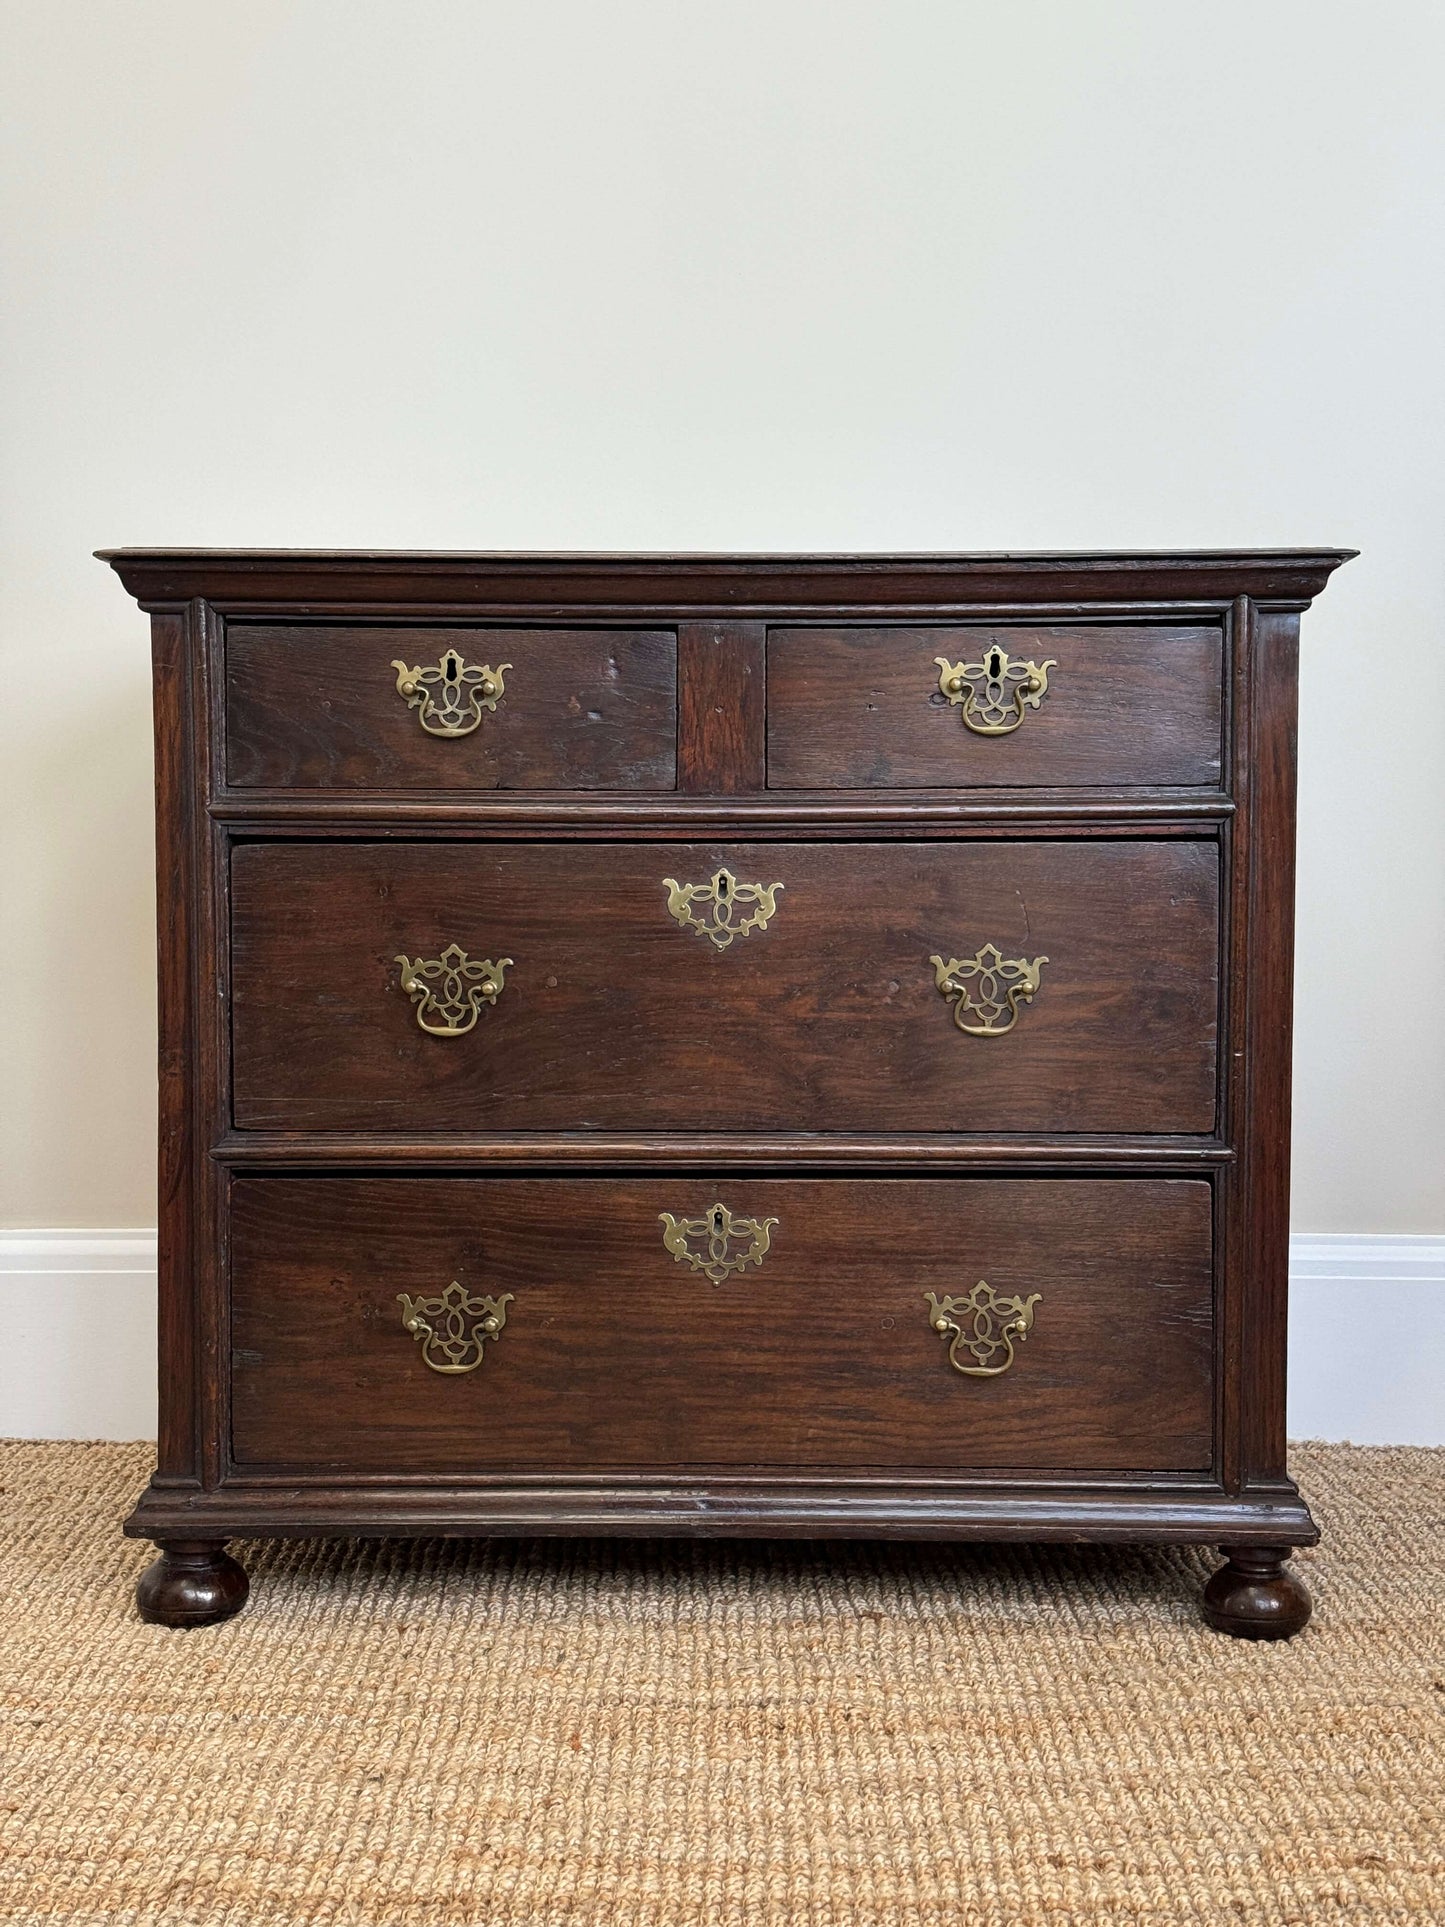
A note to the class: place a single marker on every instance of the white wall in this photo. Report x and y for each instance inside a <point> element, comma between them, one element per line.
<point>754,273</point>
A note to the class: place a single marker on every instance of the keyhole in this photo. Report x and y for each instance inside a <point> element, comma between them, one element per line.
<point>452,666</point>
<point>724,890</point>
<point>993,665</point>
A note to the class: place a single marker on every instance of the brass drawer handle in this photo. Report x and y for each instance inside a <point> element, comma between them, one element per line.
<point>707,1243</point>
<point>450,699</point>
<point>983,1326</point>
<point>719,897</point>
<point>451,987</point>
<point>986,987</point>
<point>995,690</point>
<point>453,1328</point>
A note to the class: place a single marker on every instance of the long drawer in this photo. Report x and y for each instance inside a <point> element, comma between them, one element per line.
<point>635,986</point>
<point>471,1326</point>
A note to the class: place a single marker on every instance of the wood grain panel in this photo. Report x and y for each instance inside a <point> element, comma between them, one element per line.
<point>721,735</point>
<point>317,707</point>
<point>860,708</point>
<point>615,1018</point>
<point>617,1357</point>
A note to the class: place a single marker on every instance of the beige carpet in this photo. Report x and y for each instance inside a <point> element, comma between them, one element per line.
<point>672,1733</point>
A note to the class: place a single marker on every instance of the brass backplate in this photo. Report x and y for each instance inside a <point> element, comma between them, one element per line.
<point>987,988</point>
<point>454,1327</point>
<point>984,1327</point>
<point>995,691</point>
<point>450,990</point>
<point>452,698</point>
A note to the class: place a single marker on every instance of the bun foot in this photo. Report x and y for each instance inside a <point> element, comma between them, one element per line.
<point>195,1582</point>
<point>1254,1596</point>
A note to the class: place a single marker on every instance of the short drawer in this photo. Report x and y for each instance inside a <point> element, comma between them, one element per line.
<point>513,1325</point>
<point>1080,705</point>
<point>325,707</point>
<point>661,986</point>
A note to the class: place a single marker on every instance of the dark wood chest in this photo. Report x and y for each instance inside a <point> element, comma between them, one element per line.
<point>724,1044</point>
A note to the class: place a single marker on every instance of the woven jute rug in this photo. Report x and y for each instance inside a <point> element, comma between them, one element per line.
<point>668,1733</point>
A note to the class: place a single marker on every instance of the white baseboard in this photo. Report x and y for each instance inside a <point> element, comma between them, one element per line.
<point>78,1311</point>
<point>1367,1337</point>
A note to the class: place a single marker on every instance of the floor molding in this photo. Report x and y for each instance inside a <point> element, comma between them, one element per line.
<point>78,1253</point>
<point>1367,1336</point>
<point>78,1309</point>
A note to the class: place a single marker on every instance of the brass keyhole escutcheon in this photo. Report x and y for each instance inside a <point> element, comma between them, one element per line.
<point>452,698</point>
<point>717,1244</point>
<point>712,908</point>
<point>995,691</point>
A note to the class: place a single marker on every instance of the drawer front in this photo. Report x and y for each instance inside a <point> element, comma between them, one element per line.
<point>1040,986</point>
<point>615,1348</point>
<point>875,708</point>
<point>458,708</point>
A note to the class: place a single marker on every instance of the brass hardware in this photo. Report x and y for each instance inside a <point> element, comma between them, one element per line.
<point>983,1324</point>
<point>453,1328</point>
<point>994,691</point>
<point>985,986</point>
<point>450,699</point>
<point>461,988</point>
<point>706,1243</point>
<point>721,894</point>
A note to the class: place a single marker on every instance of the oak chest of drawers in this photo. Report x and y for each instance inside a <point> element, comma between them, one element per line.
<point>760,1045</point>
